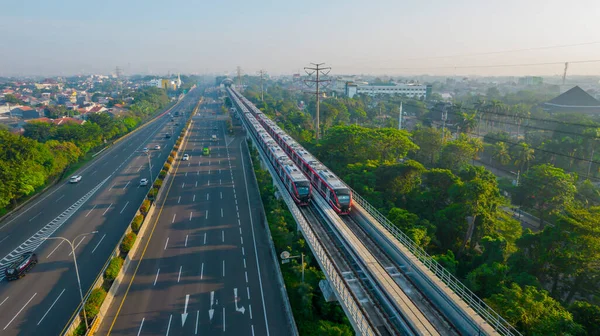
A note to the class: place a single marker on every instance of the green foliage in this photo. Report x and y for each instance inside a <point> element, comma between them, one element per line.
<point>93,303</point>
<point>152,193</point>
<point>170,160</point>
<point>113,269</point>
<point>167,166</point>
<point>588,315</point>
<point>448,261</point>
<point>430,144</point>
<point>460,152</point>
<point>162,174</point>
<point>157,184</point>
<point>136,223</point>
<point>533,311</point>
<point>145,207</point>
<point>127,242</point>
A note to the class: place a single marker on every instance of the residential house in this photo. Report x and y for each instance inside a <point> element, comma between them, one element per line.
<point>25,112</point>
<point>59,121</point>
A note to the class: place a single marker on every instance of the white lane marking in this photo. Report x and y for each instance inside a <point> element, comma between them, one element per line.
<point>126,184</point>
<point>179,200</point>
<point>186,238</point>
<point>208,182</point>
<point>89,212</point>
<point>248,291</point>
<point>252,326</point>
<point>194,198</point>
<point>1,303</point>
<point>236,208</point>
<point>198,173</point>
<point>173,221</point>
<point>202,271</point>
<point>244,263</point>
<point>242,240</point>
<point>223,268</point>
<point>32,218</point>
<point>221,212</point>
<point>166,243</point>
<point>246,272</point>
<point>243,251</point>
<point>179,276</point>
<point>190,215</point>
<point>240,230</point>
<point>223,235</point>
<point>104,213</point>
<point>220,182</point>
<point>101,239</point>
<point>197,183</point>
<point>141,325</point>
<point>262,293</point>
<point>20,310</point>
<point>249,307</point>
<point>204,238</point>
<point>206,215</point>
<point>209,172</point>
<point>221,195</point>
<point>47,311</point>
<point>156,279</point>
<point>197,318</point>
<point>183,184</point>
<point>124,207</point>
<point>185,173</point>
<point>57,246</point>
<point>169,326</point>
<point>236,202</point>
<point>58,199</point>
<point>223,319</point>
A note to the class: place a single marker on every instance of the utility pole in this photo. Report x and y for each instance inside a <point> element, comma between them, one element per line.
<point>400,117</point>
<point>317,68</point>
<point>262,74</point>
<point>444,117</point>
<point>239,76</point>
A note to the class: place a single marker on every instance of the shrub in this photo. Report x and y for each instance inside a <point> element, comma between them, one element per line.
<point>94,301</point>
<point>167,166</point>
<point>152,193</point>
<point>145,207</point>
<point>127,242</point>
<point>136,223</point>
<point>162,174</point>
<point>113,269</point>
<point>176,147</point>
<point>158,184</point>
<point>173,154</point>
<point>170,159</point>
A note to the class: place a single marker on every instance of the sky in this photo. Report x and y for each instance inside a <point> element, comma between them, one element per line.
<point>396,37</point>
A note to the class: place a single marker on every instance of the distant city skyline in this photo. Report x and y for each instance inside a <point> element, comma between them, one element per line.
<point>463,37</point>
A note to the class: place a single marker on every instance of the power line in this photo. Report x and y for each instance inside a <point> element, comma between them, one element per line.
<point>317,69</point>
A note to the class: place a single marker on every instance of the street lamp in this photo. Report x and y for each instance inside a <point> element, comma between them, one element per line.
<point>77,270</point>
<point>285,258</point>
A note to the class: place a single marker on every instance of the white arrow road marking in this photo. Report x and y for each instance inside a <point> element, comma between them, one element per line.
<point>211,311</point>
<point>241,309</point>
<point>185,314</point>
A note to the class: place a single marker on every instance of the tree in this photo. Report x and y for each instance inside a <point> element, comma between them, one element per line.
<point>524,155</point>
<point>533,312</point>
<point>546,189</point>
<point>588,315</point>
<point>501,153</point>
<point>457,153</point>
<point>11,99</point>
<point>430,144</point>
<point>39,131</point>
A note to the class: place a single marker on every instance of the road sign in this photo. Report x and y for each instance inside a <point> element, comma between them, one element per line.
<point>285,255</point>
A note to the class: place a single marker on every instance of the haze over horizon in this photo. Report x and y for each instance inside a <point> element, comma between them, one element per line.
<point>376,37</point>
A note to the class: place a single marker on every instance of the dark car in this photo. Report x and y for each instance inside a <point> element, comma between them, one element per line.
<point>21,266</point>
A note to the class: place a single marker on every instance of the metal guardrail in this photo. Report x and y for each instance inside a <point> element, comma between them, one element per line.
<point>353,310</point>
<point>477,304</point>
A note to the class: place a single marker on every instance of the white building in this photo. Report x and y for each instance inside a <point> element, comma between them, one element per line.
<point>409,90</point>
<point>155,83</point>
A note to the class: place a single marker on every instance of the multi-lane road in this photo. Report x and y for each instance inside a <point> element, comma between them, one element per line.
<point>206,269</point>
<point>105,200</point>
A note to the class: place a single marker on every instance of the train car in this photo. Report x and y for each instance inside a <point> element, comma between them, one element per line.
<point>294,181</point>
<point>333,190</point>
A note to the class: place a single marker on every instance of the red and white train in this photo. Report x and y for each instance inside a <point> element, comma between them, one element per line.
<point>295,182</point>
<point>331,187</point>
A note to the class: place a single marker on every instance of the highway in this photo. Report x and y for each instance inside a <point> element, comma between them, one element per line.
<point>105,200</point>
<point>207,268</point>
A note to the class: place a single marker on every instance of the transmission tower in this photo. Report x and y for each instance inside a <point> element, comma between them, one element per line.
<point>239,76</point>
<point>262,74</point>
<point>318,69</point>
<point>118,73</point>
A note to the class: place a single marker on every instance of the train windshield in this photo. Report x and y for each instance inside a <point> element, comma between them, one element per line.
<point>303,187</point>
<point>343,196</point>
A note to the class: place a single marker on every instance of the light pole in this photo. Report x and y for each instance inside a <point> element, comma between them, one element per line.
<point>285,258</point>
<point>77,270</point>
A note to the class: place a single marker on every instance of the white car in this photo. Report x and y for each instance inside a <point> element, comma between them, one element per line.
<point>145,149</point>
<point>185,157</point>
<point>75,179</point>
<point>157,147</point>
<point>143,182</point>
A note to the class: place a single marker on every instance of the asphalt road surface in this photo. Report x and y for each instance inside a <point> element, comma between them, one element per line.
<point>105,200</point>
<point>207,269</point>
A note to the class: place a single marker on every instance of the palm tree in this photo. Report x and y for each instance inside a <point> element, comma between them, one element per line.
<point>501,153</point>
<point>467,122</point>
<point>496,106</point>
<point>520,112</point>
<point>524,155</point>
<point>479,108</point>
